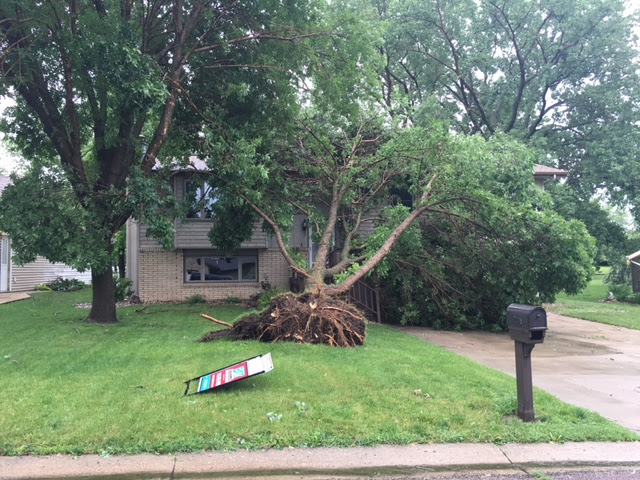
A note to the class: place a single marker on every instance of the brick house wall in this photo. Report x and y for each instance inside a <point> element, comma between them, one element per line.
<point>161,277</point>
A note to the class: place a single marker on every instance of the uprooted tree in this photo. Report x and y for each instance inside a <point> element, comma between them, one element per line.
<point>361,187</point>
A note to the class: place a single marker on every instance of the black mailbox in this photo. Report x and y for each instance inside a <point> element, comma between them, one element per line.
<point>526,324</point>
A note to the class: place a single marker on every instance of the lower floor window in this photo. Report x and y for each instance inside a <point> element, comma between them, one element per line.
<point>212,268</point>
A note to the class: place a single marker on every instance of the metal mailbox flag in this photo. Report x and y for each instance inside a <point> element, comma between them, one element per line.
<point>233,373</point>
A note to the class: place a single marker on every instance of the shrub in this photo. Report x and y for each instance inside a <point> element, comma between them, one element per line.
<point>66,285</point>
<point>623,293</point>
<point>196,299</point>
<point>233,300</point>
<point>122,287</point>
<point>619,274</point>
<point>42,288</point>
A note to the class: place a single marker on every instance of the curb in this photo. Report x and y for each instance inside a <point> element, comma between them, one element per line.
<point>378,461</point>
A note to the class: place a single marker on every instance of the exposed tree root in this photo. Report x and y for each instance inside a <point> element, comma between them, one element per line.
<point>307,318</point>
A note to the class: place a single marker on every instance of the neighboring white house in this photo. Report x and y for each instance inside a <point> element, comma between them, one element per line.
<point>16,278</point>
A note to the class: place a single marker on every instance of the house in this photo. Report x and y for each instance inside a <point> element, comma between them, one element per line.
<point>633,261</point>
<point>193,266</point>
<point>542,174</point>
<point>21,278</point>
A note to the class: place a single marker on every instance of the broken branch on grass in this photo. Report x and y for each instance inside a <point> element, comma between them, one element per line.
<point>214,320</point>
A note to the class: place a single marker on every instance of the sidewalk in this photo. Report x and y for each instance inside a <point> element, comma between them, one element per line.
<point>12,297</point>
<point>383,461</point>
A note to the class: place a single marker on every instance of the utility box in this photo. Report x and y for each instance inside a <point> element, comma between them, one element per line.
<point>526,324</point>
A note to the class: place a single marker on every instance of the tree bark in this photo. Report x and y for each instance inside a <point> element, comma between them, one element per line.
<point>103,306</point>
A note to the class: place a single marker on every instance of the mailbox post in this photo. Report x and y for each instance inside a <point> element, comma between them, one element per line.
<point>527,326</point>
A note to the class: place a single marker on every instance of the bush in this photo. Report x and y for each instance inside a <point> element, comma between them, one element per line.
<point>196,299</point>
<point>623,293</point>
<point>66,285</point>
<point>619,274</point>
<point>122,287</point>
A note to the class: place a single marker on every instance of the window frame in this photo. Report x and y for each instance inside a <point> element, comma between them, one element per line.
<point>201,255</point>
<point>205,212</point>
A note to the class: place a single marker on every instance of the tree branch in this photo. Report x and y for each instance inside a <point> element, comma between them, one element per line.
<point>278,234</point>
<point>384,250</point>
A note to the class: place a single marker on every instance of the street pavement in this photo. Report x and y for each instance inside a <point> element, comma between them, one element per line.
<point>588,364</point>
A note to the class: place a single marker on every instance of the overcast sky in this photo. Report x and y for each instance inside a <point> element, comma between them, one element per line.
<point>9,163</point>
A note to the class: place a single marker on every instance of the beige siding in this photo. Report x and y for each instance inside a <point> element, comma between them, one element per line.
<point>370,222</point>
<point>300,232</point>
<point>161,278</point>
<point>25,278</point>
<point>195,234</point>
<point>145,242</point>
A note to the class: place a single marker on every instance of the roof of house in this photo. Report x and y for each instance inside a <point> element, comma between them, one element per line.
<point>193,164</point>
<point>634,255</point>
<point>4,182</point>
<point>544,171</point>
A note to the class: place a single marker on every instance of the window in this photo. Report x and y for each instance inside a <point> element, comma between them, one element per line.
<point>212,268</point>
<point>201,197</point>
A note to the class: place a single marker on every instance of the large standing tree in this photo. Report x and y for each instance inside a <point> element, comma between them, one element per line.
<point>97,84</point>
<point>558,74</point>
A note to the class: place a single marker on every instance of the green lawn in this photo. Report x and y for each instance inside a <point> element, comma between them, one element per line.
<point>71,387</point>
<point>588,305</point>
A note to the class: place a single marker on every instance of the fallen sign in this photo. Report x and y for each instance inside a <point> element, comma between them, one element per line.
<point>233,373</point>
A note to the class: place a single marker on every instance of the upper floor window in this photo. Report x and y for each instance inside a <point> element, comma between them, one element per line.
<point>201,197</point>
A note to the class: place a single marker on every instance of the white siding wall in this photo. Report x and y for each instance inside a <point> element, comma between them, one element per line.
<point>25,278</point>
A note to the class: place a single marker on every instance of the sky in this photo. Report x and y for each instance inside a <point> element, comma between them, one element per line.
<point>9,163</point>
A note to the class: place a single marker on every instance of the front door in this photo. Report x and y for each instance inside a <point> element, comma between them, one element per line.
<point>4,263</point>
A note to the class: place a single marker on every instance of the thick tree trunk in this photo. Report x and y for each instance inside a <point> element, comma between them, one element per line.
<point>315,285</point>
<point>103,307</point>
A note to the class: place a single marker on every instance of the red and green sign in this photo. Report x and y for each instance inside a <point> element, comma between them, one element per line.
<point>232,373</point>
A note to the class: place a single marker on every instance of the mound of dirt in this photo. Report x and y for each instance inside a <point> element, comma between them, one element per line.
<point>306,318</point>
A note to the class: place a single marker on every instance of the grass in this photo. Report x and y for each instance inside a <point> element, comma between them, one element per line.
<point>588,305</point>
<point>72,387</point>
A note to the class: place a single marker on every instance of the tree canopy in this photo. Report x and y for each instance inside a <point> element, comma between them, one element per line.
<point>99,83</point>
<point>560,75</point>
<point>283,100</point>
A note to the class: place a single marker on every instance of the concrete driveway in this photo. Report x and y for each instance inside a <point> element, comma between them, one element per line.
<point>588,364</point>
<point>8,297</point>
